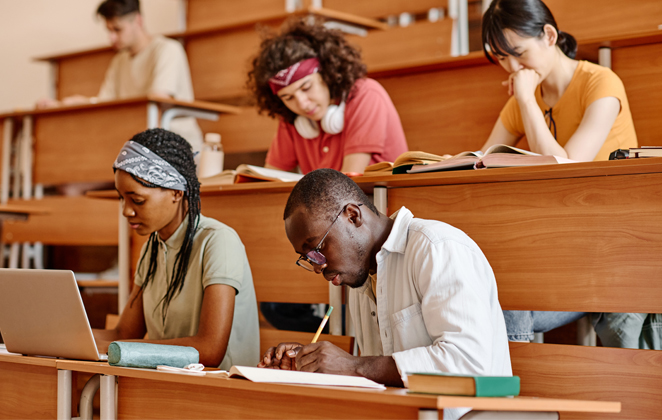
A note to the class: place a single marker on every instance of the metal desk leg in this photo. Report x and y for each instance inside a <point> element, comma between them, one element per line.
<point>87,397</point>
<point>152,115</point>
<point>428,414</point>
<point>64,385</point>
<point>170,114</point>
<point>380,199</point>
<point>4,164</point>
<point>108,398</point>
<point>123,261</point>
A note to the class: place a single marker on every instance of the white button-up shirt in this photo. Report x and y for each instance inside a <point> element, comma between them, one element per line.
<point>437,308</point>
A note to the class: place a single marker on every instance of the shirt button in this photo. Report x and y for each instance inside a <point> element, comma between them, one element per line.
<point>325,149</point>
<point>372,313</point>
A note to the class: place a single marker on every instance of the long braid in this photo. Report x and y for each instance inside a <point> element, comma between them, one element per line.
<point>177,152</point>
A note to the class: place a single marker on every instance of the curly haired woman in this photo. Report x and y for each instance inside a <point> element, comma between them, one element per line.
<point>331,115</point>
<point>193,285</point>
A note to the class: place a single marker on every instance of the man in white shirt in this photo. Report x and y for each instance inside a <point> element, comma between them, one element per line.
<point>423,297</point>
<point>144,65</point>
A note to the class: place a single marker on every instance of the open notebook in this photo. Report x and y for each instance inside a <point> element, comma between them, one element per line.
<point>293,377</point>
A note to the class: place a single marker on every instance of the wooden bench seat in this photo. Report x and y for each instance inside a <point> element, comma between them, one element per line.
<point>632,377</point>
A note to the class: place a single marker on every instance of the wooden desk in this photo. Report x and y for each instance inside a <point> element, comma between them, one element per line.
<point>97,131</point>
<point>16,212</point>
<point>591,226</point>
<point>576,237</point>
<point>28,387</point>
<point>146,393</point>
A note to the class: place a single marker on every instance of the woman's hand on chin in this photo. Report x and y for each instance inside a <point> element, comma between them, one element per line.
<point>522,84</point>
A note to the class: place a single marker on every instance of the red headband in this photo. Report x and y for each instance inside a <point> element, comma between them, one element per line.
<point>293,73</point>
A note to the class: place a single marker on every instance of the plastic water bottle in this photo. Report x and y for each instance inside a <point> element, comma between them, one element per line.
<point>211,157</point>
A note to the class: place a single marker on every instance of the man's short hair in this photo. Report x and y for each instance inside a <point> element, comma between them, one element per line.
<point>323,192</point>
<point>110,9</point>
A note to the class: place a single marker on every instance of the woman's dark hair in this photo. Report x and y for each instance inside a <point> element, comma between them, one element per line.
<point>177,152</point>
<point>527,18</point>
<point>117,8</point>
<point>340,63</point>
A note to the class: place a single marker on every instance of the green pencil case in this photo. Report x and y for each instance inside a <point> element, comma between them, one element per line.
<point>148,355</point>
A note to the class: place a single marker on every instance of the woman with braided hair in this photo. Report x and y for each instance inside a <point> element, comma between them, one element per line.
<point>193,283</point>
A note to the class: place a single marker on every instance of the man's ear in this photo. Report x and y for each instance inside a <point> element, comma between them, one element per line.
<point>550,35</point>
<point>138,20</point>
<point>354,214</point>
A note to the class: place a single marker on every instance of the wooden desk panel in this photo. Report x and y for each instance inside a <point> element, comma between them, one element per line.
<point>80,145</point>
<point>630,376</point>
<point>603,19</point>
<point>243,133</point>
<point>140,399</point>
<point>67,221</point>
<point>401,46</point>
<point>448,111</point>
<point>258,219</point>
<point>202,14</point>
<point>383,8</point>
<point>220,61</point>
<point>640,69</point>
<point>82,74</point>
<point>27,390</point>
<point>553,243</point>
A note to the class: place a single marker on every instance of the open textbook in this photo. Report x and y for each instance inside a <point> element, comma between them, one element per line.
<point>249,173</point>
<point>295,377</point>
<point>403,163</point>
<point>497,156</point>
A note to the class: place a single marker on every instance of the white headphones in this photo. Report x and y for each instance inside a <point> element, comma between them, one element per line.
<point>332,123</point>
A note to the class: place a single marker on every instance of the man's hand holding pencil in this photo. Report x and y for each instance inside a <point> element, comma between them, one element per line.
<point>284,355</point>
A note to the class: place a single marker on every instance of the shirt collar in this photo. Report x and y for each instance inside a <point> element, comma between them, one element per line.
<point>397,239</point>
<point>177,239</point>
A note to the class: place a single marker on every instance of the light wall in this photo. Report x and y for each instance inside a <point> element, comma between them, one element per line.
<point>38,28</point>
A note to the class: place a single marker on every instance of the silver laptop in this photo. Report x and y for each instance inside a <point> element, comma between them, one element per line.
<point>42,314</point>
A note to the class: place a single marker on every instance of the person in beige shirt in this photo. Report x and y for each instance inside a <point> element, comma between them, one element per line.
<point>193,284</point>
<point>144,65</point>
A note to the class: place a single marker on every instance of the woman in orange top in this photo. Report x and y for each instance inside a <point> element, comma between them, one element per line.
<point>567,108</point>
<point>564,107</point>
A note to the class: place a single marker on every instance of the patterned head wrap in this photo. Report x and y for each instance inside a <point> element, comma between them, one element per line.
<point>293,73</point>
<point>138,160</point>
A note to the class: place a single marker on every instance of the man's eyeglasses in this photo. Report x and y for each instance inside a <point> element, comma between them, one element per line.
<point>315,256</point>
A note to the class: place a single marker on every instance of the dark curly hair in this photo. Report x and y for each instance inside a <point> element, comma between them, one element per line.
<point>175,150</point>
<point>323,192</point>
<point>340,63</point>
<point>527,18</point>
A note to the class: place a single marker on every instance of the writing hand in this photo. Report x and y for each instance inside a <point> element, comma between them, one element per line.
<point>325,357</point>
<point>280,357</point>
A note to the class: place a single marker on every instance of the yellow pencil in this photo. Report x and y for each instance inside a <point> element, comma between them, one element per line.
<point>319,330</point>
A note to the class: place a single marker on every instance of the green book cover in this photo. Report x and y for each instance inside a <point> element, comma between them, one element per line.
<point>486,386</point>
<point>496,386</point>
<point>402,169</point>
